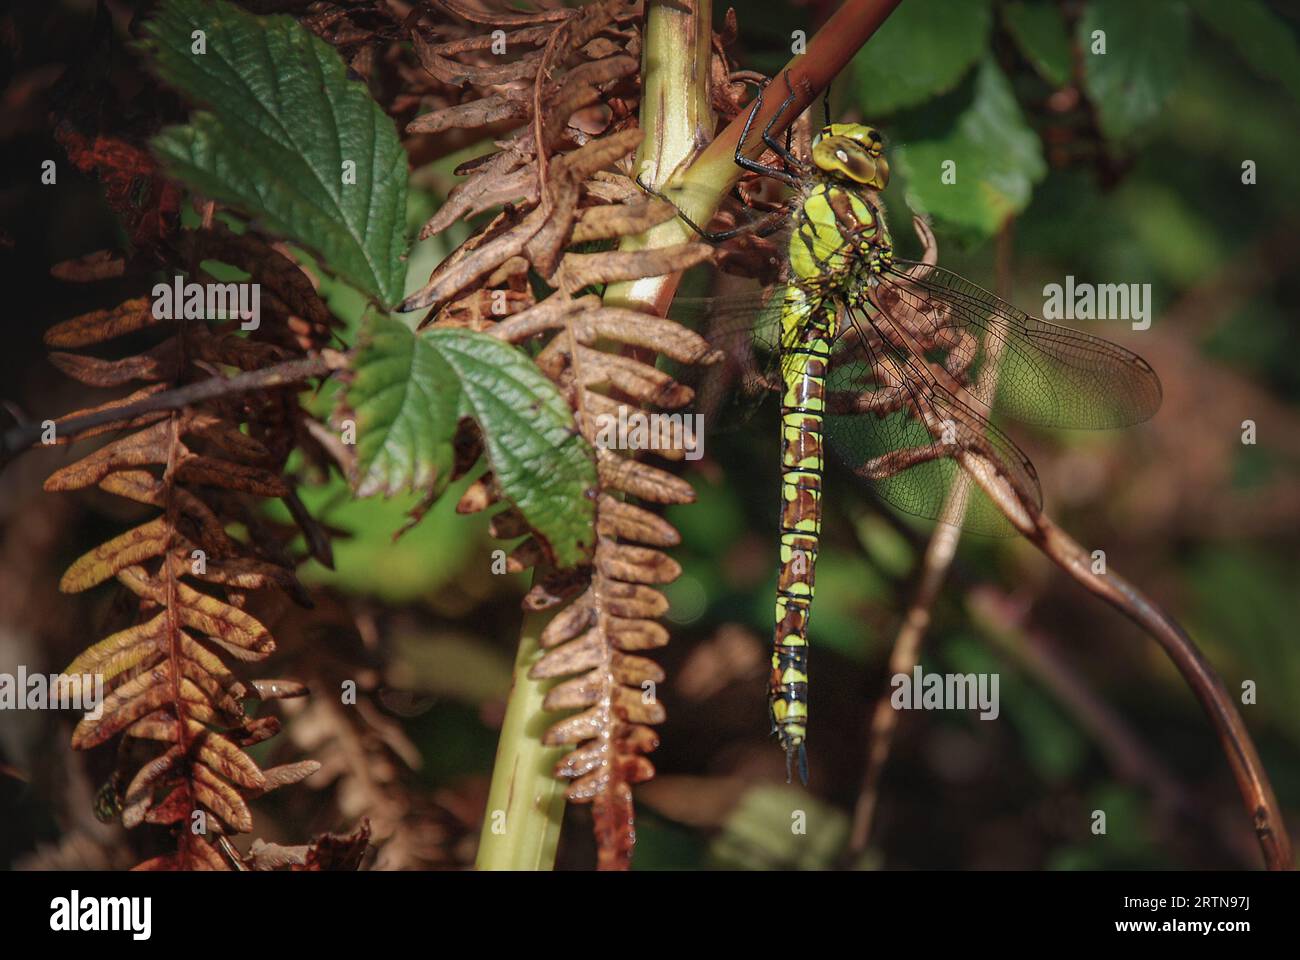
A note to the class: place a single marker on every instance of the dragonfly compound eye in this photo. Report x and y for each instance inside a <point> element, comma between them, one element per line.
<point>853,160</point>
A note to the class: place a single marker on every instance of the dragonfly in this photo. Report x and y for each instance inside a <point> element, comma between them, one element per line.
<point>897,365</point>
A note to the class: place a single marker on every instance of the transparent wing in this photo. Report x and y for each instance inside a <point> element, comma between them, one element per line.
<point>892,420</point>
<point>1047,374</point>
<point>896,424</point>
<point>915,375</point>
<point>742,319</point>
<point>745,328</point>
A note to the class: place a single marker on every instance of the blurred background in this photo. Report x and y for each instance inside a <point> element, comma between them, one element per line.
<point>1168,160</point>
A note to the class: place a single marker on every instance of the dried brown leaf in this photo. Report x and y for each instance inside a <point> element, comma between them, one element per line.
<point>97,326</point>
<point>128,549</point>
<point>578,270</point>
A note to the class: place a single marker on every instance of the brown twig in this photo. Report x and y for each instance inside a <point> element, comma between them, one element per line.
<point>19,438</point>
<point>1002,621</point>
<point>902,659</point>
<point>829,51</point>
<point>1070,556</point>
<point>1252,779</point>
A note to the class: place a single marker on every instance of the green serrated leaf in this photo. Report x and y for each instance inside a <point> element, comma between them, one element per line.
<point>407,406</point>
<point>1146,46</point>
<point>991,152</point>
<point>410,391</point>
<point>1263,39</point>
<point>282,126</point>
<point>922,50</point>
<point>1041,34</point>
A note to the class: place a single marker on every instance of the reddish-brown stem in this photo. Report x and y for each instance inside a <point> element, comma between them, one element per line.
<point>19,438</point>
<point>829,52</point>
<point>1070,556</point>
<point>714,171</point>
<point>1252,780</point>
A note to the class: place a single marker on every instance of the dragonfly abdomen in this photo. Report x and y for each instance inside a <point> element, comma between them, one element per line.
<point>806,359</point>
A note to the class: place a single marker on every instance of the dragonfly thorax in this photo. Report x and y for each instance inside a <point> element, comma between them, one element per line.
<point>839,237</point>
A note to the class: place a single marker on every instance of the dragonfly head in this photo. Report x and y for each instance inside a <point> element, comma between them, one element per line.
<point>853,152</point>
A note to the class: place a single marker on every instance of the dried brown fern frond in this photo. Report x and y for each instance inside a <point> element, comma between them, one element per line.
<point>368,765</point>
<point>368,762</point>
<point>327,852</point>
<point>179,710</point>
<point>369,36</point>
<point>569,91</point>
<point>596,640</point>
<point>572,79</point>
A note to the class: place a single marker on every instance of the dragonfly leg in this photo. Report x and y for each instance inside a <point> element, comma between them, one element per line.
<point>765,225</point>
<point>709,235</point>
<point>783,152</point>
<point>895,461</point>
<point>744,162</point>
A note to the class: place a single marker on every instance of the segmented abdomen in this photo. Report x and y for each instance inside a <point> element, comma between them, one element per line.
<point>806,348</point>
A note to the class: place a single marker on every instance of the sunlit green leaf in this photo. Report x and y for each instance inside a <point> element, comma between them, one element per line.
<point>1145,50</point>
<point>984,170</point>
<point>412,389</point>
<point>923,49</point>
<point>285,137</point>
<point>370,562</point>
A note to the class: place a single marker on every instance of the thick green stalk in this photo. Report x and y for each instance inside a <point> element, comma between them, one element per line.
<point>676,115</point>
<point>521,829</point>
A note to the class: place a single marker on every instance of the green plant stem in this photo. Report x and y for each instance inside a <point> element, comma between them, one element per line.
<point>521,828</point>
<point>676,115</point>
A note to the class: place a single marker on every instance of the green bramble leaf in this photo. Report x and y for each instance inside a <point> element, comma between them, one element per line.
<point>412,389</point>
<point>285,137</point>
<point>984,170</point>
<point>922,50</point>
